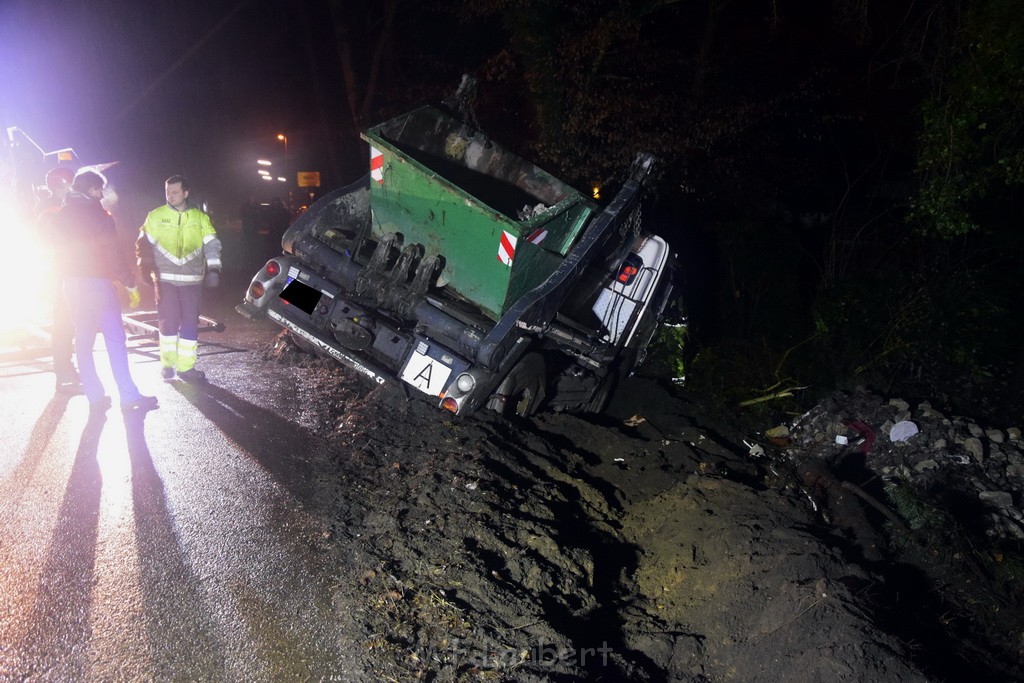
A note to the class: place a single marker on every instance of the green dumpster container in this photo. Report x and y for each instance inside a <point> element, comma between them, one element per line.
<point>502,224</point>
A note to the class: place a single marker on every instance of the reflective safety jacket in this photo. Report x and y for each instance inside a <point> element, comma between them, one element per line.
<point>178,246</point>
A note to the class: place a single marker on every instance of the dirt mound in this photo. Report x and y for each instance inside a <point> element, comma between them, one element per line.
<point>751,594</point>
<point>657,543</point>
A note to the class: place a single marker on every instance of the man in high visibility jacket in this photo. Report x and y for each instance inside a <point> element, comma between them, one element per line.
<point>179,247</point>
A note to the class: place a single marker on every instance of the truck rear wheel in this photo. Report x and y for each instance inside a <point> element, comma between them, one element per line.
<point>645,329</point>
<point>524,387</point>
<point>303,344</point>
<point>603,395</point>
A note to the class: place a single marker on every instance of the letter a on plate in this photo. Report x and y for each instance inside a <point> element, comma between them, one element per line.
<point>426,374</point>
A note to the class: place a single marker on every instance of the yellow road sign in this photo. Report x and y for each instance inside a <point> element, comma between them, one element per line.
<point>309,178</point>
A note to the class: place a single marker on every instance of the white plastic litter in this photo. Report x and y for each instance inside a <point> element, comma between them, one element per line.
<point>902,431</point>
<point>757,451</point>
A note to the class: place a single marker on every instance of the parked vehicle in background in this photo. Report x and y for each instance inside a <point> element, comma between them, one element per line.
<point>471,275</point>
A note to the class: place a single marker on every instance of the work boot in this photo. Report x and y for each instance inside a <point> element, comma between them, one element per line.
<point>67,381</point>
<point>141,404</point>
<point>192,375</point>
<point>167,374</point>
<point>69,387</point>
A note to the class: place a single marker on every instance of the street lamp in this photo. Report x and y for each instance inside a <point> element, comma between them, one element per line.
<point>287,167</point>
<point>284,138</point>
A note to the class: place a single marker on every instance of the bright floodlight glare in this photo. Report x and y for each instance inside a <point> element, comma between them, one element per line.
<point>25,312</point>
<point>263,162</point>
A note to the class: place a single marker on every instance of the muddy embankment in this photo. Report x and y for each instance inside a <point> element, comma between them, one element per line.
<point>644,545</point>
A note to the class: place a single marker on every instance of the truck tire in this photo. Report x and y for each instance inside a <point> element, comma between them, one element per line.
<point>524,387</point>
<point>603,396</point>
<point>303,344</point>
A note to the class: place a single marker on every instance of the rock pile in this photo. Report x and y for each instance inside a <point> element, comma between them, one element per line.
<point>962,466</point>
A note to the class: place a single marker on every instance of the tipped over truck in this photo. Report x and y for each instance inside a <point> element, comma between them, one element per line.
<point>470,275</point>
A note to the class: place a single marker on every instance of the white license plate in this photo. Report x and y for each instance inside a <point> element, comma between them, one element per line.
<point>427,374</point>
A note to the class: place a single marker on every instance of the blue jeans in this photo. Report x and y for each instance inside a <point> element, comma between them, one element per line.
<point>95,309</point>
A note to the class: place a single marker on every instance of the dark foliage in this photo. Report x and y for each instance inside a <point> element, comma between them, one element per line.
<point>823,155</point>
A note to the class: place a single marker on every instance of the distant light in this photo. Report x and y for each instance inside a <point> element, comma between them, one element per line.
<point>266,177</point>
<point>263,162</point>
<point>283,180</point>
<point>597,191</point>
<point>281,136</point>
<point>262,172</point>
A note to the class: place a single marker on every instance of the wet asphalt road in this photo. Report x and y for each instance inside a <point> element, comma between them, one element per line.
<point>181,544</point>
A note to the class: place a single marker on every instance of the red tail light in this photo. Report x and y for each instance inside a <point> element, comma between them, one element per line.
<point>256,290</point>
<point>272,268</point>
<point>628,273</point>
<point>630,267</point>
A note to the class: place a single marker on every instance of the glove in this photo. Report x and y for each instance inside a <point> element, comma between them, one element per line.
<point>133,297</point>
<point>212,279</point>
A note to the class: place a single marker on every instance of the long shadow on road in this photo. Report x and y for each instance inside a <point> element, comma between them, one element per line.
<point>55,640</point>
<point>292,456</point>
<point>182,633</point>
<point>285,450</point>
<point>35,448</point>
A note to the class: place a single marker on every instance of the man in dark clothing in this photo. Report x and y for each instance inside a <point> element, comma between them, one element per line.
<point>62,334</point>
<point>90,258</point>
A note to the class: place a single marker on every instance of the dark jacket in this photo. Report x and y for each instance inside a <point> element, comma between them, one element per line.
<point>86,242</point>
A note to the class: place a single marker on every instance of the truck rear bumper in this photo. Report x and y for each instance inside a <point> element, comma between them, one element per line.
<point>378,346</point>
<point>377,374</point>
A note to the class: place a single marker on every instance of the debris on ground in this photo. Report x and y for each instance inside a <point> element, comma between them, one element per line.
<point>658,544</point>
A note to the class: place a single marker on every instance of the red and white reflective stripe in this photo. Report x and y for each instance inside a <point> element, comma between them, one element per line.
<point>377,164</point>
<point>537,236</point>
<point>507,248</point>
